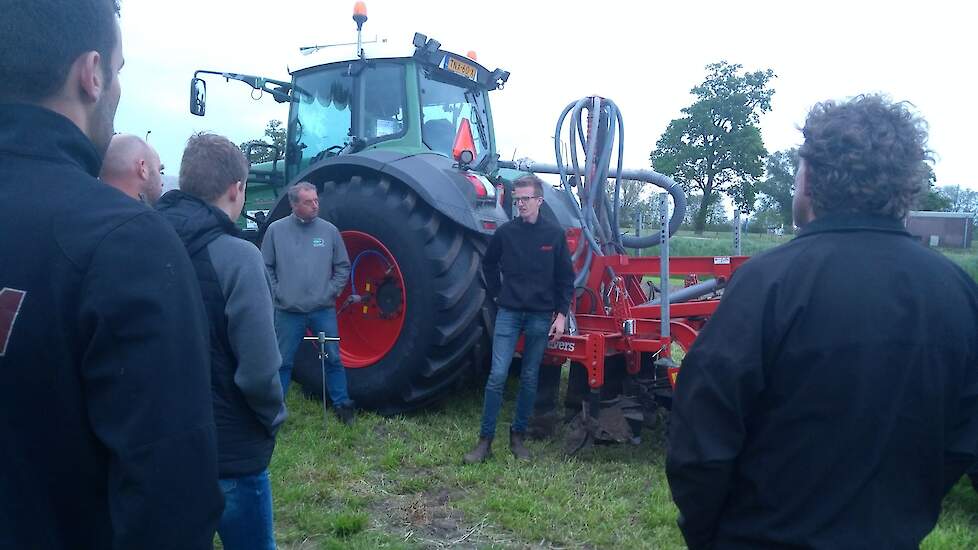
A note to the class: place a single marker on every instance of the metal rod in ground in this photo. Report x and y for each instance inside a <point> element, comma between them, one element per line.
<point>322,339</point>
<point>664,263</point>
<point>594,403</point>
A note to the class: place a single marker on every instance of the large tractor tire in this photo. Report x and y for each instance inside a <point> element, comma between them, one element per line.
<point>420,331</point>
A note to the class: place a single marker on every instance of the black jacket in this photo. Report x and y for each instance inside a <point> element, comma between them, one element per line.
<point>247,392</point>
<point>832,400</point>
<point>535,265</point>
<point>106,427</point>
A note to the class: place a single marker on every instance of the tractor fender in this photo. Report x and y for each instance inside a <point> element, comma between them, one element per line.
<point>435,179</point>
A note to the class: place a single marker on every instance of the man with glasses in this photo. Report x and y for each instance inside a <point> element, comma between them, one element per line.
<point>531,256</point>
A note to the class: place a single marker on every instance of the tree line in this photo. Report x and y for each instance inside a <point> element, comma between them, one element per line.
<point>716,149</point>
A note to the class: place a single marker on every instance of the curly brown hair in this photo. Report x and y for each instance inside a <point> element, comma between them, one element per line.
<point>866,155</point>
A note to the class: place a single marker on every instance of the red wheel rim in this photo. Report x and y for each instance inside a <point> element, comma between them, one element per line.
<point>683,335</point>
<point>368,330</point>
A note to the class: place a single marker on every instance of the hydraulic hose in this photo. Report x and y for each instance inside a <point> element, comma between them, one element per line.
<point>599,216</point>
<point>356,262</point>
<point>598,144</point>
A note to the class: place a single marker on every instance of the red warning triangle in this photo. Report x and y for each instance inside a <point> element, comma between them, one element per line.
<point>463,141</point>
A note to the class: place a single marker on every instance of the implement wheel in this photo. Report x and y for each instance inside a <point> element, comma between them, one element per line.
<point>419,328</point>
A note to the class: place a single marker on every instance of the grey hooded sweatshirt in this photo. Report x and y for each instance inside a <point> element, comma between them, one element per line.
<point>307,262</point>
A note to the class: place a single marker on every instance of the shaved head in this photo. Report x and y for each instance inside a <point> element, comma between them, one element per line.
<point>132,166</point>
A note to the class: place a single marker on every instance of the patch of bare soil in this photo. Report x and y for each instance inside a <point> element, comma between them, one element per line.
<point>430,520</point>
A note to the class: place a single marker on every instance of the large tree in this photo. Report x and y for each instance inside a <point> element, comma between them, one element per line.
<point>716,147</point>
<point>715,213</point>
<point>933,200</point>
<point>633,197</point>
<point>961,199</point>
<point>778,188</point>
<point>275,132</point>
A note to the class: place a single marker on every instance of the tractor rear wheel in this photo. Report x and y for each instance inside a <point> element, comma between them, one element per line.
<point>419,329</point>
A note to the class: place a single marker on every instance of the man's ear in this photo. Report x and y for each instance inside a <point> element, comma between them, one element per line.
<point>234,189</point>
<point>141,169</point>
<point>804,177</point>
<point>87,69</point>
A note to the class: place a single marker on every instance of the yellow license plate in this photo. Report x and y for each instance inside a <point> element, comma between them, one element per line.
<point>464,69</point>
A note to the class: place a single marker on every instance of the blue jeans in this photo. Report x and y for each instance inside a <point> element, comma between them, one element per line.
<point>290,327</point>
<point>509,324</point>
<point>247,523</point>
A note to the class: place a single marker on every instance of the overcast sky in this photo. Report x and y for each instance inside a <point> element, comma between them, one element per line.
<point>643,55</point>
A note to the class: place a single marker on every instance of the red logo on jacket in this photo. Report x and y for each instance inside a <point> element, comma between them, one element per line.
<point>10,302</point>
<point>547,247</point>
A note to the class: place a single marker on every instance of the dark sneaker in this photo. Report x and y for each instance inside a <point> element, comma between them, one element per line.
<point>516,446</point>
<point>346,413</point>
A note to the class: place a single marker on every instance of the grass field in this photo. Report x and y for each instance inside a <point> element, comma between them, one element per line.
<point>399,482</point>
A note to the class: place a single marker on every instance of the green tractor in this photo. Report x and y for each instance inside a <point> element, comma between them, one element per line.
<point>402,151</point>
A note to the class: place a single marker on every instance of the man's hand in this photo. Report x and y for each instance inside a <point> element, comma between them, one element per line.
<point>557,329</point>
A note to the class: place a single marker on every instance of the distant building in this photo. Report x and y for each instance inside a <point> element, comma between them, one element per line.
<point>949,229</point>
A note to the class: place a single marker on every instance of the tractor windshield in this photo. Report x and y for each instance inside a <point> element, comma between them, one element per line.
<point>321,116</point>
<point>333,106</point>
<point>443,106</point>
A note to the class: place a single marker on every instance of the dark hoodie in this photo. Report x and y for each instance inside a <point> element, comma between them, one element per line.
<point>106,428</point>
<point>528,267</point>
<point>247,392</point>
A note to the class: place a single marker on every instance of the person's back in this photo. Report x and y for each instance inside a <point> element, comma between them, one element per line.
<point>860,396</point>
<point>245,387</point>
<point>107,430</point>
<point>832,399</point>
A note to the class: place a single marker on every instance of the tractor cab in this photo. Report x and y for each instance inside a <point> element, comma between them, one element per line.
<point>413,105</point>
<point>399,144</point>
<point>403,101</point>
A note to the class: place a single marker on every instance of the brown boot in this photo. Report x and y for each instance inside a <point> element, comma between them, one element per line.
<point>516,445</point>
<point>482,451</point>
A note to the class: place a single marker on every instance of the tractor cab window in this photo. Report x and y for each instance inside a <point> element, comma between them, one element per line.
<point>384,98</point>
<point>321,116</point>
<point>336,103</point>
<point>443,106</point>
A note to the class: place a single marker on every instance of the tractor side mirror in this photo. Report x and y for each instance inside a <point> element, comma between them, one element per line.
<point>198,97</point>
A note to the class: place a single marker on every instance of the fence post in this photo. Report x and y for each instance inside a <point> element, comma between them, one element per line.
<point>736,232</point>
<point>664,263</point>
<point>638,230</point>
